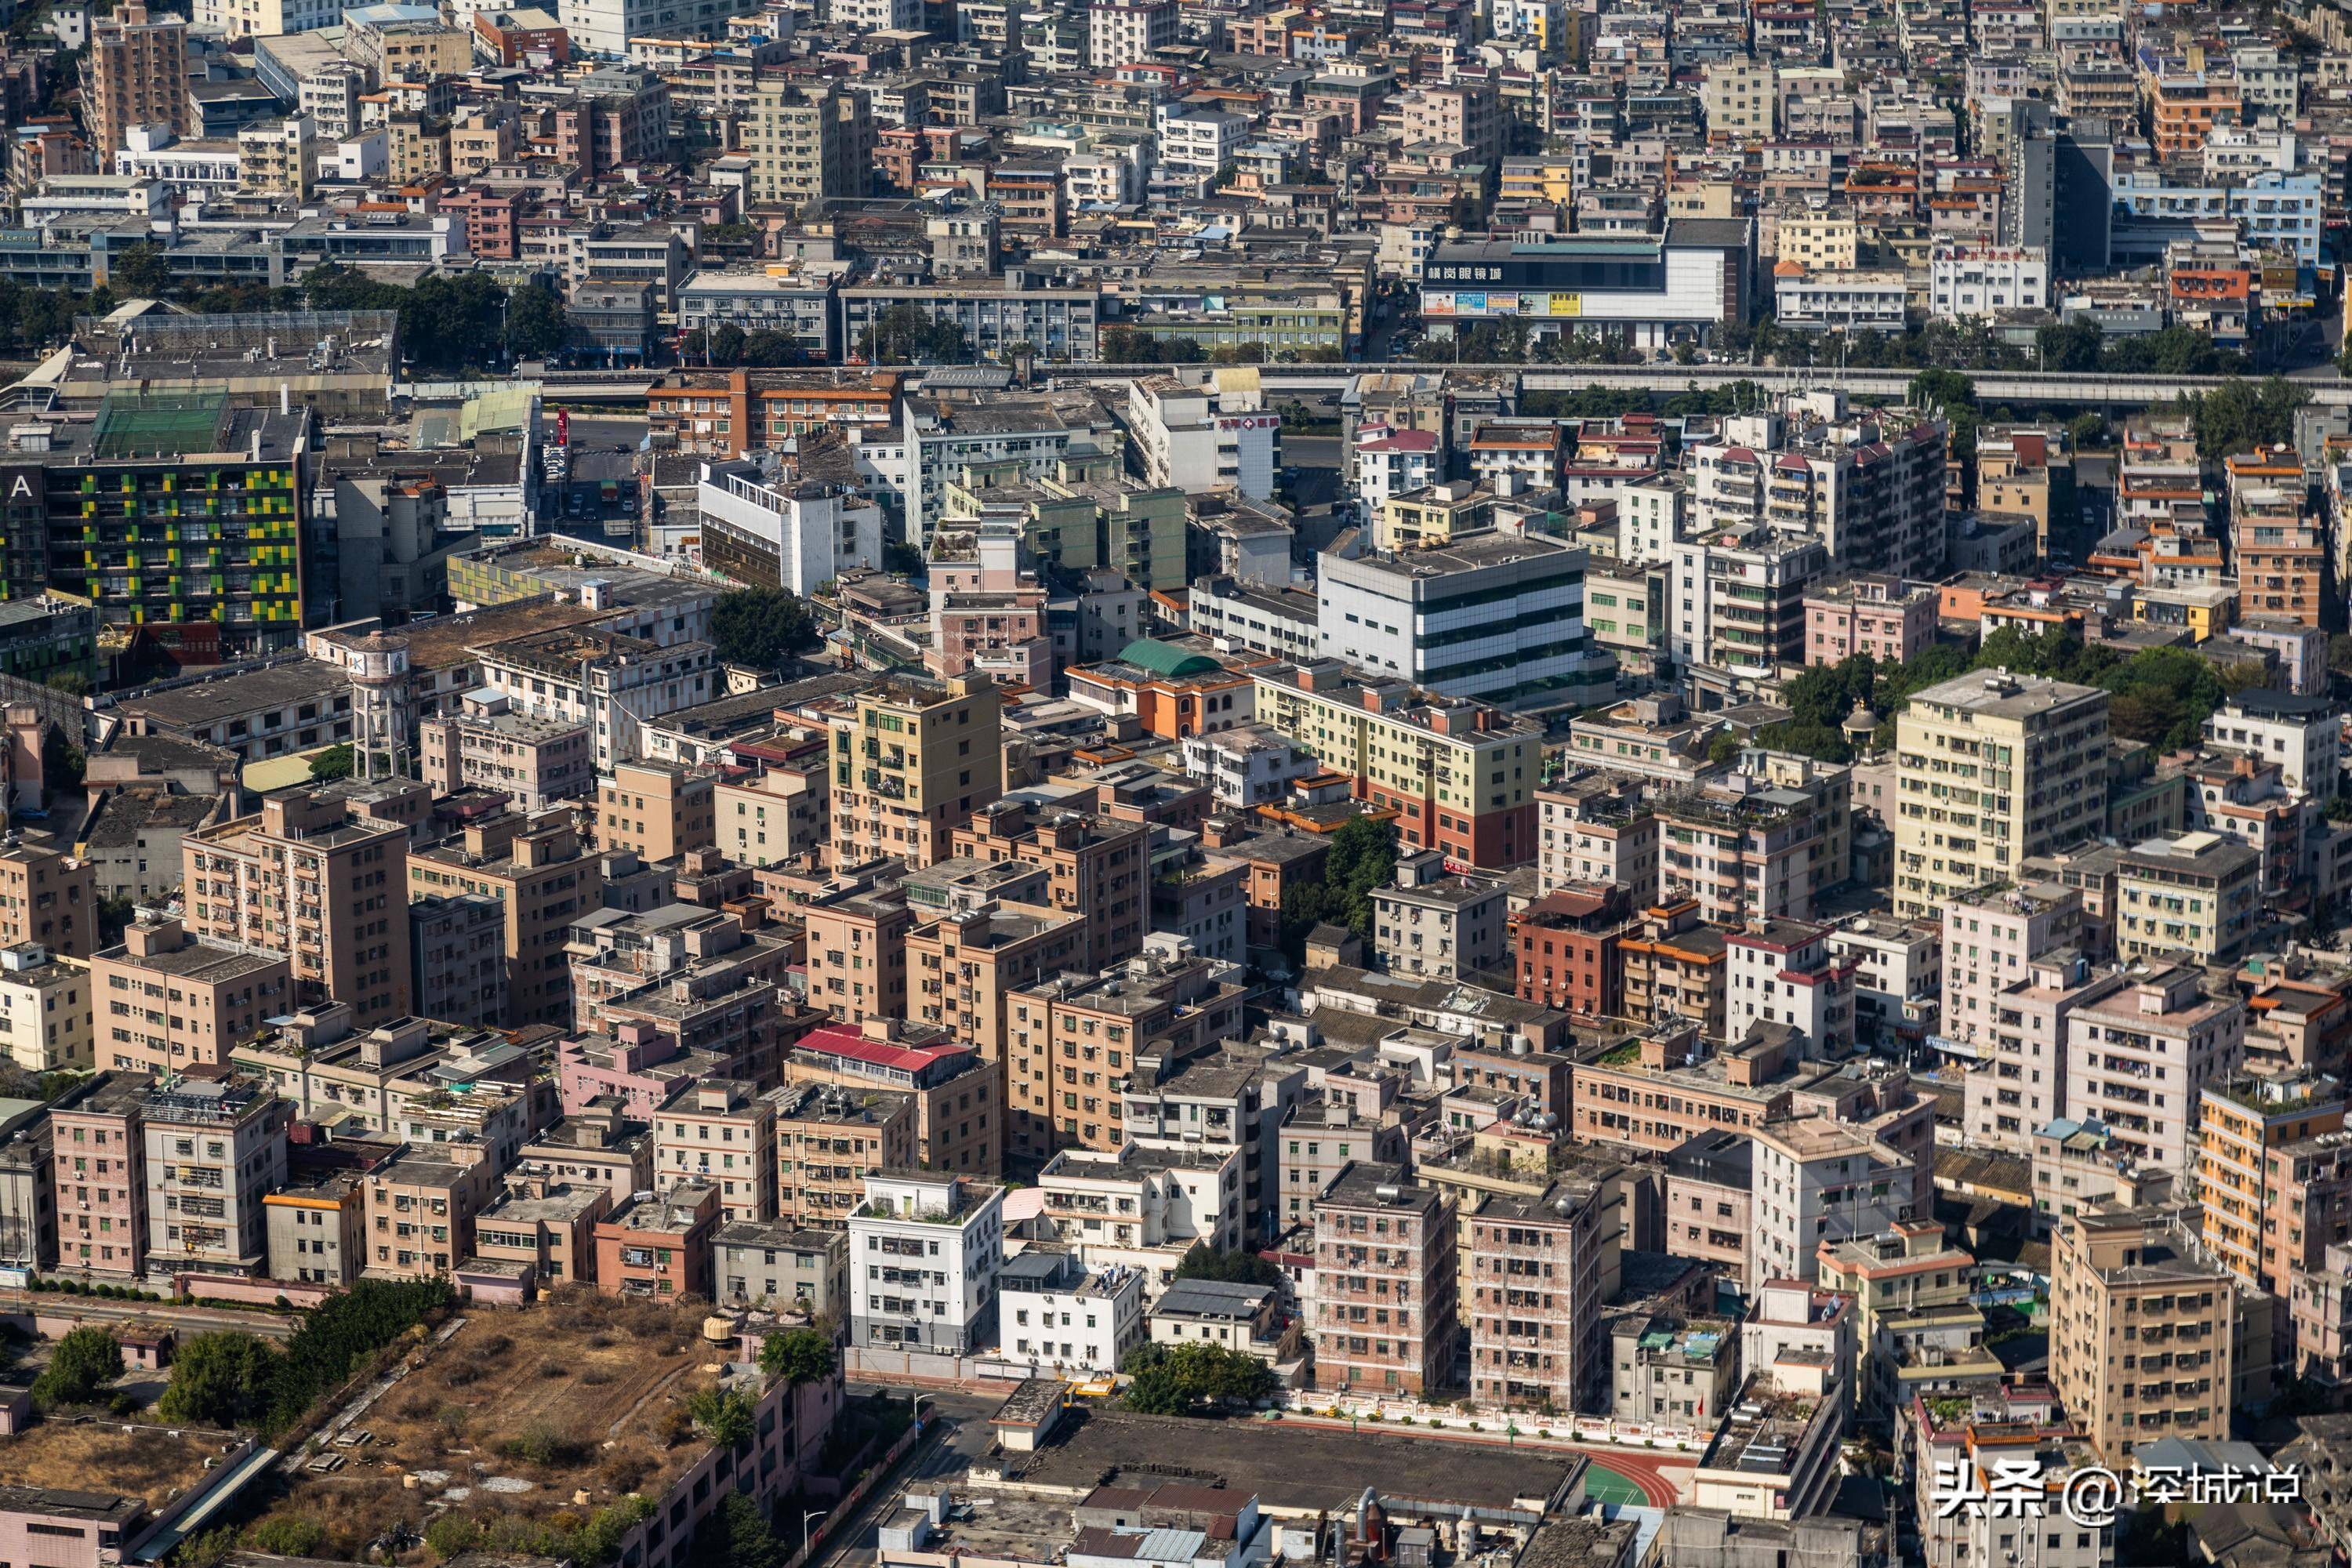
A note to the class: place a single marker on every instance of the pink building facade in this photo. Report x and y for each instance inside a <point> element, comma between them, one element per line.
<point>1872,615</point>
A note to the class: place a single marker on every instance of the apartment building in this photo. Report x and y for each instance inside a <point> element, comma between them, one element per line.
<point>486,744</point>
<point>457,947</point>
<point>1749,848</point>
<point>722,1133</point>
<point>538,872</point>
<point>1594,829</point>
<point>857,942</point>
<point>50,897</point>
<point>1535,1276</point>
<point>1780,975</point>
<point>962,971</point>
<point>659,1244</point>
<point>1096,868</point>
<point>829,1139</point>
<point>1459,775</point>
<point>1566,950</point>
<point>2198,895</point>
<point>780,812</point>
<point>1869,615</point>
<point>315,1227</point>
<point>310,878</point>
<point>99,1170</point>
<point>166,1001</point>
<point>1738,596</point>
<point>2004,1432</point>
<point>780,1265</point>
<point>659,810</point>
<point>1434,926</point>
<point>2139,1056</point>
<point>2275,1176</point>
<point>912,760</point>
<point>1991,768</point>
<point>2280,550</point>
<point>421,1208</point>
<point>1071,1040</point>
<point>1237,1099</point>
<point>1814,1181</point>
<point>546,1228</point>
<point>610,681</point>
<point>2137,1286</point>
<point>808,143</point>
<point>958,1119</point>
<point>45,1011</point>
<point>214,1149</point>
<point>1897,978</point>
<point>1676,967</point>
<point>2302,736</point>
<point>136,74</point>
<point>924,1256</point>
<point>1383,1315</point>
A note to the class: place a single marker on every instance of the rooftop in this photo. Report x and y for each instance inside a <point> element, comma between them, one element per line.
<point>577,1394</point>
<point>1292,1471</point>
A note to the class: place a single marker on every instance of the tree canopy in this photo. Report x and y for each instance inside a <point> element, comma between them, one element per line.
<point>219,1379</point>
<point>906,334</point>
<point>1181,1380</point>
<point>798,1356</point>
<point>763,627</point>
<point>2159,695</point>
<point>1236,1267</point>
<point>1362,857</point>
<point>85,1361</point>
<point>2239,415</point>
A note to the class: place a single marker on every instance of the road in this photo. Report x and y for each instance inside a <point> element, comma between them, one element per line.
<point>960,1434</point>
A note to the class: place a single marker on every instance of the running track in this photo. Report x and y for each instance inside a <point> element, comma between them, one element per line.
<point>1646,1471</point>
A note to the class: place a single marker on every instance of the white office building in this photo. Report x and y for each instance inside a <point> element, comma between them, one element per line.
<point>1498,617</point>
<point>816,531</point>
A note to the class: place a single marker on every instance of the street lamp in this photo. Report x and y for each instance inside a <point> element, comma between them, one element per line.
<point>817,1513</point>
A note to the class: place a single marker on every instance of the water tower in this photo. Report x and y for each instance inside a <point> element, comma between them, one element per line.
<point>379,667</point>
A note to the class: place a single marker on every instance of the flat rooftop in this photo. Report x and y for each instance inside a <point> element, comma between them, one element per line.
<point>231,692</point>
<point>516,1412</point>
<point>1290,1471</point>
<point>101,1463</point>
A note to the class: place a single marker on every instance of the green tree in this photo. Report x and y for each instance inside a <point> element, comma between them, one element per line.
<point>72,683</point>
<point>1182,1379</point>
<point>1363,859</point>
<point>218,1379</point>
<point>536,325</point>
<point>2239,415</point>
<point>1235,1268</point>
<point>334,763</point>
<point>114,915</point>
<point>736,1534</point>
<point>724,1414</point>
<point>85,1361</point>
<point>798,1356</point>
<point>1955,396</point>
<point>897,336</point>
<point>140,273</point>
<point>2087,430</point>
<point>762,627</point>
<point>903,558</point>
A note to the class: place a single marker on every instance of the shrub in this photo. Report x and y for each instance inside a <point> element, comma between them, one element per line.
<point>286,1535</point>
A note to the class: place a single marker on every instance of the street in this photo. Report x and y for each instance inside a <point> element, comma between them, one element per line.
<point>960,1434</point>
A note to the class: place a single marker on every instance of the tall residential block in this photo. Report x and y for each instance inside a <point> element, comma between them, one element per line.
<point>807,143</point>
<point>136,74</point>
<point>2151,1336</point>
<point>48,897</point>
<point>1990,769</point>
<point>1386,1281</point>
<point>534,866</point>
<point>310,879</point>
<point>912,760</point>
